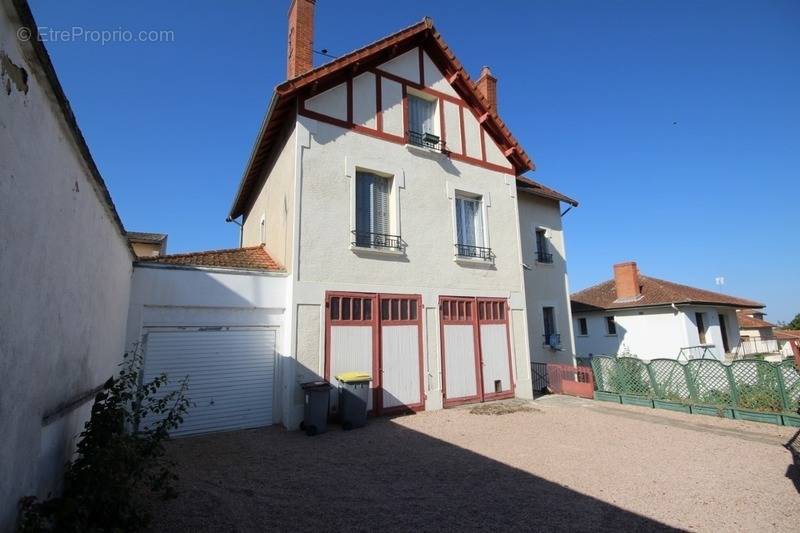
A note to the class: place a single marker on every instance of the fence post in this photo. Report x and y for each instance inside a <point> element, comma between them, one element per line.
<point>653,384</point>
<point>732,385</point>
<point>782,388</point>
<point>694,395</point>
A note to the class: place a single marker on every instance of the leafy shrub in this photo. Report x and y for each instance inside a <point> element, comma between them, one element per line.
<point>120,451</point>
<point>760,398</point>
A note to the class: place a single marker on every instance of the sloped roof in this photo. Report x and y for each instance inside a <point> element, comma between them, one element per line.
<point>655,292</point>
<point>746,321</point>
<point>787,334</point>
<point>152,238</point>
<point>250,258</point>
<point>527,185</point>
<point>422,33</point>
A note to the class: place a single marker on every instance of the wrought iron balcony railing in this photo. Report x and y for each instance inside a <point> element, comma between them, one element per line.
<point>552,340</point>
<point>365,239</point>
<point>426,140</point>
<point>544,257</point>
<point>474,252</point>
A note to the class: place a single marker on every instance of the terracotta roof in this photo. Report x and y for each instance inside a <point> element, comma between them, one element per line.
<point>529,186</point>
<point>746,321</point>
<point>787,334</point>
<point>655,292</point>
<point>422,33</point>
<point>154,238</point>
<point>252,258</point>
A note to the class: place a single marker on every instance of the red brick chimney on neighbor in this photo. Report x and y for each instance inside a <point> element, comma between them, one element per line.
<point>300,54</point>
<point>487,86</point>
<point>626,281</point>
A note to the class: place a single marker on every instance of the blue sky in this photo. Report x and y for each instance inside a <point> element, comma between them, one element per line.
<point>676,124</point>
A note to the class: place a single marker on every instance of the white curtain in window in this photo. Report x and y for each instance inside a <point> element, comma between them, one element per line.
<point>469,222</point>
<point>421,113</point>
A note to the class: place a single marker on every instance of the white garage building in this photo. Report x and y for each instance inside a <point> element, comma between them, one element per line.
<point>216,317</point>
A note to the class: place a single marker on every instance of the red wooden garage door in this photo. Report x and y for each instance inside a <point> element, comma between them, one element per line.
<point>380,334</point>
<point>476,350</point>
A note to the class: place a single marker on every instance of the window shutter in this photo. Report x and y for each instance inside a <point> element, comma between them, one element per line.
<point>363,207</point>
<point>380,200</point>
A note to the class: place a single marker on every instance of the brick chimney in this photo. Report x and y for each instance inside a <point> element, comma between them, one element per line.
<point>626,281</point>
<point>300,53</point>
<point>487,86</point>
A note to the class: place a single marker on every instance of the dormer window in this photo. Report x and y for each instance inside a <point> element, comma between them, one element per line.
<point>422,122</point>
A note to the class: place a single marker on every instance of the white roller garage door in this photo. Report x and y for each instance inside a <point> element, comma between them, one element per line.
<point>231,374</point>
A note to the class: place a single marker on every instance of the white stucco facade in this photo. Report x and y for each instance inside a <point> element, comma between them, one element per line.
<point>546,284</point>
<point>657,332</point>
<point>65,274</point>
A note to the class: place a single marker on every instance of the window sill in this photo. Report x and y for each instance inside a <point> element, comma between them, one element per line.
<point>579,335</point>
<point>367,250</point>
<point>424,150</point>
<point>610,334</point>
<point>473,261</point>
<point>544,264</point>
<point>553,348</point>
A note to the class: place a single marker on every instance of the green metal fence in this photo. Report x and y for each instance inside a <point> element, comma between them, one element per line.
<point>749,387</point>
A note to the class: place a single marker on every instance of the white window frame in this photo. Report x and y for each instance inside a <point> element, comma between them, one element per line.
<point>585,319</point>
<point>486,203</point>
<point>379,168</point>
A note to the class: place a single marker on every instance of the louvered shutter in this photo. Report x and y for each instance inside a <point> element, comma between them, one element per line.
<point>380,205</point>
<point>363,208</point>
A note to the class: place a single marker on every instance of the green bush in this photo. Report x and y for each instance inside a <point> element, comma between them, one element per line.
<point>119,452</point>
<point>760,398</point>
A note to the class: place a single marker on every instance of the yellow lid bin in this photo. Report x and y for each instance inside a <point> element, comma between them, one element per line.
<point>354,377</point>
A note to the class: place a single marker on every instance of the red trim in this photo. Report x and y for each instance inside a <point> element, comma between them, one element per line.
<point>463,134</point>
<point>421,67</point>
<point>484,164</point>
<point>378,103</point>
<point>405,115</point>
<point>350,100</point>
<point>417,86</point>
<point>483,143</point>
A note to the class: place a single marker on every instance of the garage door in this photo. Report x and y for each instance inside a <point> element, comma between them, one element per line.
<point>231,374</point>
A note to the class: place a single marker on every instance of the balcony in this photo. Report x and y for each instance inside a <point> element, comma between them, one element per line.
<point>544,257</point>
<point>426,140</point>
<point>474,252</point>
<point>378,241</point>
<point>553,340</point>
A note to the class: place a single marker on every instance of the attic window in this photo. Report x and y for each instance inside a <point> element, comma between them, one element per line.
<point>422,123</point>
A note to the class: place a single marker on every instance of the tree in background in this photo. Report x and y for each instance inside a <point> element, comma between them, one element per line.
<point>795,323</point>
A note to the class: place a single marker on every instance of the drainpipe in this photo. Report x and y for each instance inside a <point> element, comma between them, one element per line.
<point>241,229</point>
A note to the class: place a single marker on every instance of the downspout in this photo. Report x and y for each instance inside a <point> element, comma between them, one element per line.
<point>241,229</point>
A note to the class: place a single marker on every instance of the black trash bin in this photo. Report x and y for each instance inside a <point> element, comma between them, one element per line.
<point>353,396</point>
<point>315,411</point>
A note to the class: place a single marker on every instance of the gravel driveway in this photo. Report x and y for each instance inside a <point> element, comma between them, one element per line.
<point>567,464</point>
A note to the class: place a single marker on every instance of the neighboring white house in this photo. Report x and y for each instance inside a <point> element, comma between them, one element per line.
<point>651,318</point>
<point>384,188</point>
<point>65,270</point>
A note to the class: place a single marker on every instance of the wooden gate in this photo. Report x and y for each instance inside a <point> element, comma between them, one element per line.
<point>571,380</point>
<point>380,334</point>
<point>476,350</point>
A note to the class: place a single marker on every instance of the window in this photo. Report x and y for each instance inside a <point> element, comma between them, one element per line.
<point>422,122</point>
<point>611,326</point>
<point>543,254</point>
<point>372,212</point>
<point>551,336</point>
<point>469,229</point>
<point>701,327</point>
<point>583,328</point>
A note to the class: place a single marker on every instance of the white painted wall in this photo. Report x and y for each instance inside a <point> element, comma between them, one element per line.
<point>546,284</point>
<point>655,332</point>
<point>65,270</point>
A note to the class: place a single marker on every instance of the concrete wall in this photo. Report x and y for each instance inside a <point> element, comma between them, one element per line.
<point>546,284</point>
<point>275,204</point>
<point>655,333</point>
<point>65,270</point>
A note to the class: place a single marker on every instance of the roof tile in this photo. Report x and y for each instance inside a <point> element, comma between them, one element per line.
<point>251,258</point>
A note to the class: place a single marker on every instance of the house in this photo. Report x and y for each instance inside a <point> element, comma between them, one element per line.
<point>544,257</point>
<point>381,213</point>
<point>148,244</point>
<point>65,270</point>
<point>653,318</point>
